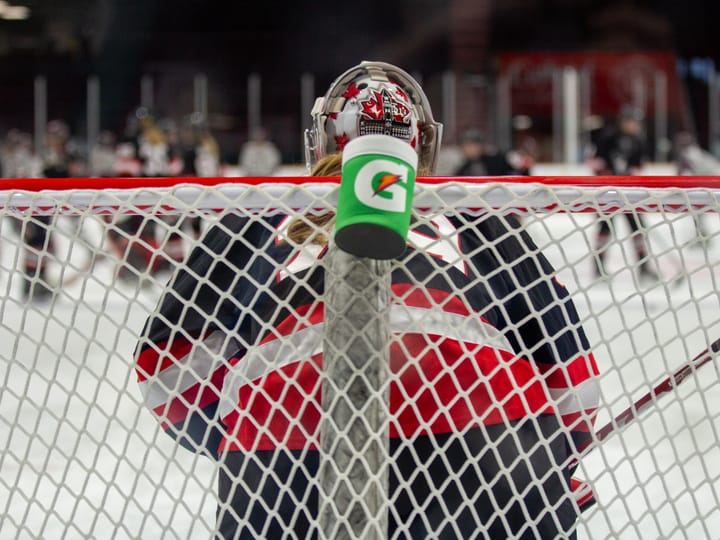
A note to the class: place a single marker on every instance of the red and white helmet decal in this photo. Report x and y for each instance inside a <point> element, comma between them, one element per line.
<point>372,108</point>
<point>373,98</point>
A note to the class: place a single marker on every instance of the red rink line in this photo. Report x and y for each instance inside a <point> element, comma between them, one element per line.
<point>41,184</point>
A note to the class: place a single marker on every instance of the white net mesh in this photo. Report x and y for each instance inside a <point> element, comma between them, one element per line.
<point>458,384</point>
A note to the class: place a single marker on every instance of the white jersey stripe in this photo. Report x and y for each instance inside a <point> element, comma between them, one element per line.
<point>579,398</point>
<point>196,366</point>
<point>305,343</point>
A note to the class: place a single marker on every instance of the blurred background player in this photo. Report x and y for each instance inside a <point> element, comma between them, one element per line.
<point>200,155</point>
<point>621,150</point>
<point>153,147</point>
<point>17,156</point>
<point>207,155</point>
<point>259,156</point>
<point>19,161</point>
<point>479,158</point>
<point>134,238</point>
<point>103,157</point>
<point>692,160</point>
<point>213,371</point>
<point>58,159</point>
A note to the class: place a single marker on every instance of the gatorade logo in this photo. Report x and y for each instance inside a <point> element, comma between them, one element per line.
<point>380,184</point>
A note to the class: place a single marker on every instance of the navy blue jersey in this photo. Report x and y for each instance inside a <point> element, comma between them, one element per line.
<point>234,352</point>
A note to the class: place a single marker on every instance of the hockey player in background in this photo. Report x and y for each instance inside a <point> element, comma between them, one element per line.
<point>259,156</point>
<point>692,160</point>
<point>491,390</point>
<point>19,161</point>
<point>621,150</point>
<point>482,159</point>
<point>135,239</point>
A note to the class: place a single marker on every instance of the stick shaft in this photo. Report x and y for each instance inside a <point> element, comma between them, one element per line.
<point>646,401</point>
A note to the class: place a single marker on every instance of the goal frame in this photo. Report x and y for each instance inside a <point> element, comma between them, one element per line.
<point>522,195</point>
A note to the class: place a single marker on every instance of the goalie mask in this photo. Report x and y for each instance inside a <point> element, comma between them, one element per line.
<point>373,98</point>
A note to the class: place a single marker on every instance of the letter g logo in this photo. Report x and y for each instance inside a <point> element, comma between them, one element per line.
<point>389,195</point>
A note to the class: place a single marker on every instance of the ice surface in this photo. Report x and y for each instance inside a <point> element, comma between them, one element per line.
<point>83,458</point>
<point>659,477</point>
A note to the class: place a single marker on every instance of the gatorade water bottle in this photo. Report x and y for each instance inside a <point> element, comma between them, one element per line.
<point>375,199</point>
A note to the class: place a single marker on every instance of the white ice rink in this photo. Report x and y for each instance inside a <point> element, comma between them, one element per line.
<point>82,458</point>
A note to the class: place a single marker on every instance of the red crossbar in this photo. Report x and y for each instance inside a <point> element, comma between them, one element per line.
<point>40,184</point>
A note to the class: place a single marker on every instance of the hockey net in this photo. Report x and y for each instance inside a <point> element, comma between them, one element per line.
<point>86,263</point>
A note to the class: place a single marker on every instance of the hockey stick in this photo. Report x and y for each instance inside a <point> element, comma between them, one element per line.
<point>646,401</point>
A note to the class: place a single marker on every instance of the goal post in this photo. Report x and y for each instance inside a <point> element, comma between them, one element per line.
<point>304,384</point>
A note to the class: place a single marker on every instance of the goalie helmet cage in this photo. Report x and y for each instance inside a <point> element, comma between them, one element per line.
<point>84,263</point>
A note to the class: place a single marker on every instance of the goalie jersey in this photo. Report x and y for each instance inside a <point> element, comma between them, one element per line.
<point>483,334</point>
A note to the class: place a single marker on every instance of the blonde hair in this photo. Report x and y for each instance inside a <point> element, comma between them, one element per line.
<point>328,166</point>
<point>316,227</point>
<point>208,142</point>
